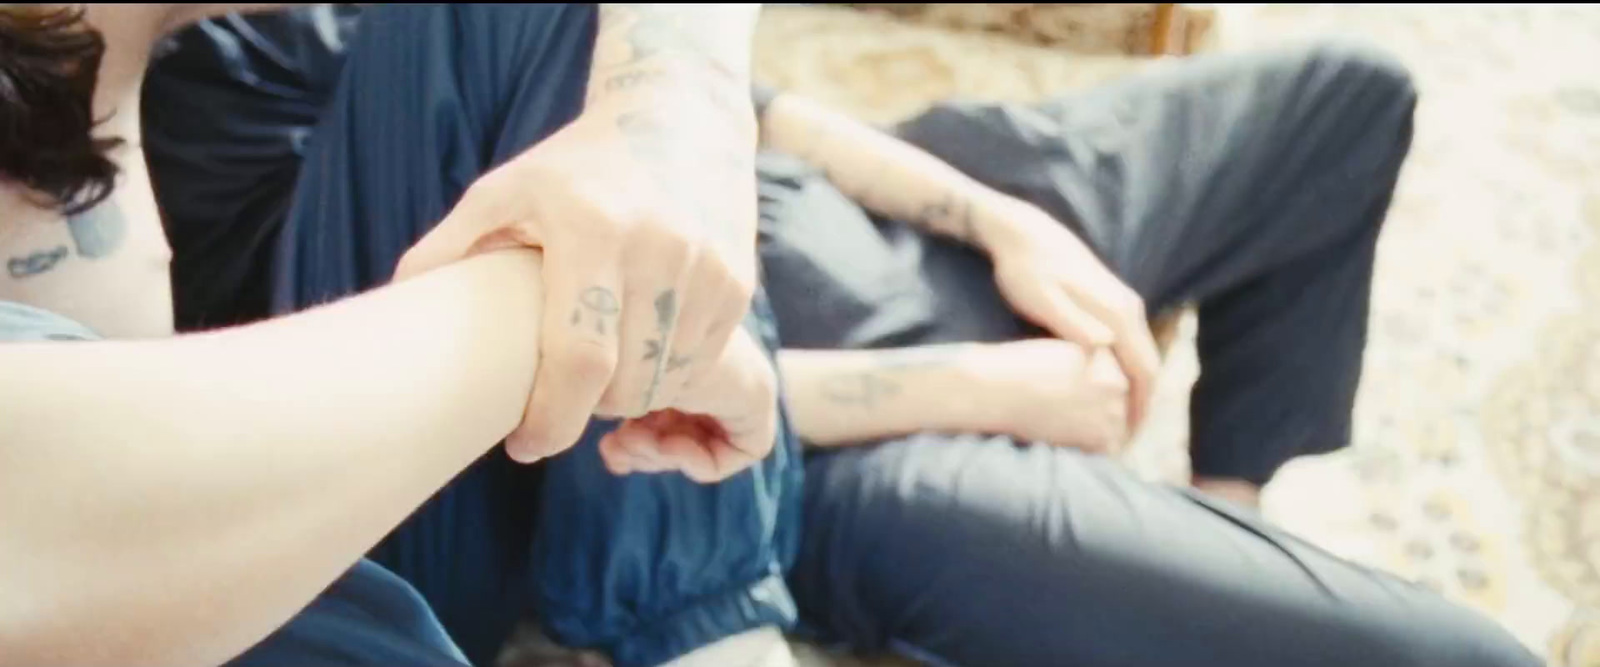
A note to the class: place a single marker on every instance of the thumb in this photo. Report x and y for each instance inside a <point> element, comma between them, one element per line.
<point>1053,309</point>
<point>473,226</point>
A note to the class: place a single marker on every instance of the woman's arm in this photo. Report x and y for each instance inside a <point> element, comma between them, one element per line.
<point>217,482</point>
<point>1040,390</point>
<point>880,172</point>
<point>844,397</point>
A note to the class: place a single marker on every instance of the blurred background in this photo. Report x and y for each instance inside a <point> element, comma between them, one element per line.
<point>1476,466</point>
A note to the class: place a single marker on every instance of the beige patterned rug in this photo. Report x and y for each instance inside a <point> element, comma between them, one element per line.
<point>1477,462</point>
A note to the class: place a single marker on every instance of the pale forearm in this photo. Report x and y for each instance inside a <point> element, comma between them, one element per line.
<point>878,171</point>
<point>842,397</point>
<point>222,480</point>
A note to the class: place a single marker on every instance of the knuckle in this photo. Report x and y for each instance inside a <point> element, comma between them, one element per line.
<point>1129,303</point>
<point>661,243</point>
<point>592,362</point>
<point>487,188</point>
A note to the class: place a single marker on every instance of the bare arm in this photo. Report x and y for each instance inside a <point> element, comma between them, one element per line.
<point>1040,390</point>
<point>659,48</point>
<point>220,481</point>
<point>880,172</point>
<point>844,397</point>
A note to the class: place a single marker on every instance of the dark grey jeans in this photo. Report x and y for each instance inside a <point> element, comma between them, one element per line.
<point>1253,186</point>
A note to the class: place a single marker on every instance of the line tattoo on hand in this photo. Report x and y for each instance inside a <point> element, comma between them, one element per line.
<point>35,263</point>
<point>666,306</point>
<point>600,305</point>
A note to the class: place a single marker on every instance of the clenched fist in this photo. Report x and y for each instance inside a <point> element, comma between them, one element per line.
<point>646,215</point>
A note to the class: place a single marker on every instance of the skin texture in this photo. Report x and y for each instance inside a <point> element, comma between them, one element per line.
<point>1046,273</point>
<point>414,381</point>
<point>645,210</point>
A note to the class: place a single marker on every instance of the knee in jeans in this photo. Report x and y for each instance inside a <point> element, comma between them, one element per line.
<point>1373,69</point>
<point>1450,636</point>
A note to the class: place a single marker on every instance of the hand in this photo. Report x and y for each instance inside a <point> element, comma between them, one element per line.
<point>726,422</point>
<point>646,215</point>
<point>1050,277</point>
<point>1052,391</point>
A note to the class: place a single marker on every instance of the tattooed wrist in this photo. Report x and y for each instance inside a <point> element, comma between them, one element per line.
<point>887,375</point>
<point>633,35</point>
<point>951,214</point>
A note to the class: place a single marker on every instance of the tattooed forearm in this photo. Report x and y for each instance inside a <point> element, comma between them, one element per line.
<point>884,379</point>
<point>949,214</point>
<point>633,34</point>
<point>632,79</point>
<point>36,263</point>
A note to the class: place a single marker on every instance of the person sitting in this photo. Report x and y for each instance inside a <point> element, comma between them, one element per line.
<point>232,481</point>
<point>950,534</point>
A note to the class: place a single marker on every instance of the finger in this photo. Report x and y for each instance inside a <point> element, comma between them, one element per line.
<point>691,456</point>
<point>1064,318</point>
<point>479,211</point>
<point>616,460</point>
<point>1141,362</point>
<point>741,395</point>
<point>703,332</point>
<point>1135,347</point>
<point>650,315</point>
<point>578,353</point>
<point>642,443</point>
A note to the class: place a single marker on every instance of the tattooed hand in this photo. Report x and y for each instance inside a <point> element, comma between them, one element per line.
<point>645,209</point>
<point>725,422</point>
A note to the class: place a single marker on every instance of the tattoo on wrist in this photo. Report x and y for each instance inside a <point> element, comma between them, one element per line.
<point>632,79</point>
<point>952,215</point>
<point>652,31</point>
<point>597,308</point>
<point>36,263</point>
<point>869,388</point>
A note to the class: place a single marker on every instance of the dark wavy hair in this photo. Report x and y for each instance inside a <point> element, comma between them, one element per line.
<point>49,61</point>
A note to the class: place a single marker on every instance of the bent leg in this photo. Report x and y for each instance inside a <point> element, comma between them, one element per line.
<point>643,567</point>
<point>972,552</point>
<point>1253,185</point>
<point>368,617</point>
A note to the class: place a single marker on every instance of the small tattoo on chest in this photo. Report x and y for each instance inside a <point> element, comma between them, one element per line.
<point>98,232</point>
<point>36,263</point>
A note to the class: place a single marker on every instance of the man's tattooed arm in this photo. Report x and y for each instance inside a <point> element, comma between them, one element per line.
<point>702,49</point>
<point>839,397</point>
<point>879,171</point>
